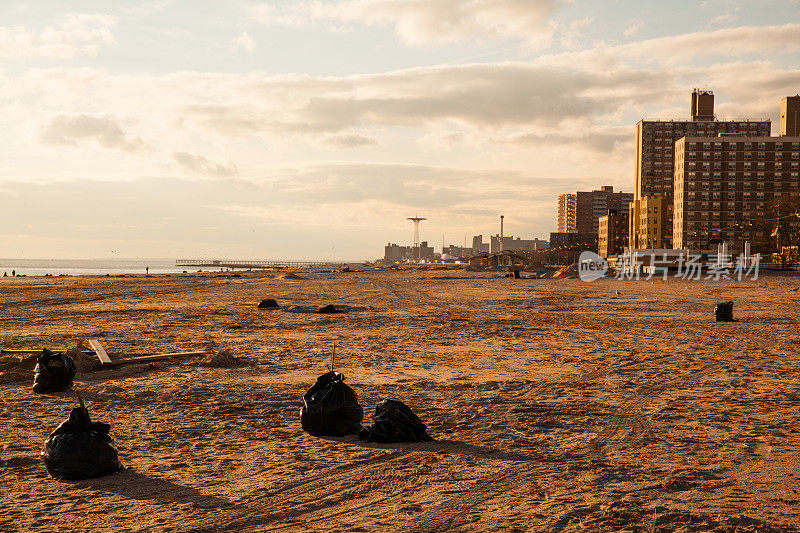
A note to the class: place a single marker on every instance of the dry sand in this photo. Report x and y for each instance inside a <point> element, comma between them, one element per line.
<point>556,404</point>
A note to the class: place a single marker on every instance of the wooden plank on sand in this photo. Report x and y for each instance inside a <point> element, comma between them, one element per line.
<point>100,351</point>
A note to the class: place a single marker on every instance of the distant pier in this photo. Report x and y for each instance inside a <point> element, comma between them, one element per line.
<point>224,263</point>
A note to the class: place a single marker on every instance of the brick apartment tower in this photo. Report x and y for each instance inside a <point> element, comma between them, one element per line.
<point>580,212</point>
<point>567,205</point>
<point>790,116</point>
<point>654,171</point>
<point>723,183</point>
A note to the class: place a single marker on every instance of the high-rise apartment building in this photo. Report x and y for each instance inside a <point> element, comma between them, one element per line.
<point>722,183</point>
<point>580,212</point>
<point>790,116</point>
<point>595,204</point>
<point>655,150</point>
<point>567,207</point>
<point>655,142</point>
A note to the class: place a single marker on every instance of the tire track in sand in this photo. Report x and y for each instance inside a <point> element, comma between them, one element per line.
<point>453,512</point>
<point>293,501</point>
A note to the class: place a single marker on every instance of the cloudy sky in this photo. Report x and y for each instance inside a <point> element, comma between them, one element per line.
<point>312,129</point>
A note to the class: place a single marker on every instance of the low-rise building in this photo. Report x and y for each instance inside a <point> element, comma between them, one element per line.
<point>612,235</point>
<point>478,246</point>
<point>393,253</point>
<point>573,241</point>
<point>457,251</point>
<point>653,216</point>
<point>423,253</point>
<point>511,243</point>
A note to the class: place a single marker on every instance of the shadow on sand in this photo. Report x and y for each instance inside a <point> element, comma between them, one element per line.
<point>137,486</point>
<point>453,447</point>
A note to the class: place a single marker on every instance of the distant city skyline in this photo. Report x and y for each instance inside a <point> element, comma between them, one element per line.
<point>298,129</point>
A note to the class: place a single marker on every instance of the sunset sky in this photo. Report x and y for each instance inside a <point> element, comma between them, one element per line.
<point>312,129</point>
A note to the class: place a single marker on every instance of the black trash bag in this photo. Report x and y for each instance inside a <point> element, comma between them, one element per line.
<point>267,303</point>
<point>394,421</point>
<point>54,372</point>
<point>724,312</point>
<point>330,308</point>
<point>81,449</point>
<point>331,408</point>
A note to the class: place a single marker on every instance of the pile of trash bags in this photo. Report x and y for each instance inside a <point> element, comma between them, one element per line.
<point>394,421</point>
<point>81,449</point>
<point>331,408</point>
<point>723,312</point>
<point>267,303</point>
<point>54,372</point>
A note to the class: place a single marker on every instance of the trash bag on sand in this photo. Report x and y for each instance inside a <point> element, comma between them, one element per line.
<point>724,312</point>
<point>81,449</point>
<point>394,421</point>
<point>54,372</point>
<point>331,408</point>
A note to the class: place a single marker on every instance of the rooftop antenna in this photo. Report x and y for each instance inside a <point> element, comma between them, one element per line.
<point>416,221</point>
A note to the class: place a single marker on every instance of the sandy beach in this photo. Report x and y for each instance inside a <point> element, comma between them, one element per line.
<point>556,405</point>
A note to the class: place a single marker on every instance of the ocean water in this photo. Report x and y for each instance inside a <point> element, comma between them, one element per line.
<point>92,267</point>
